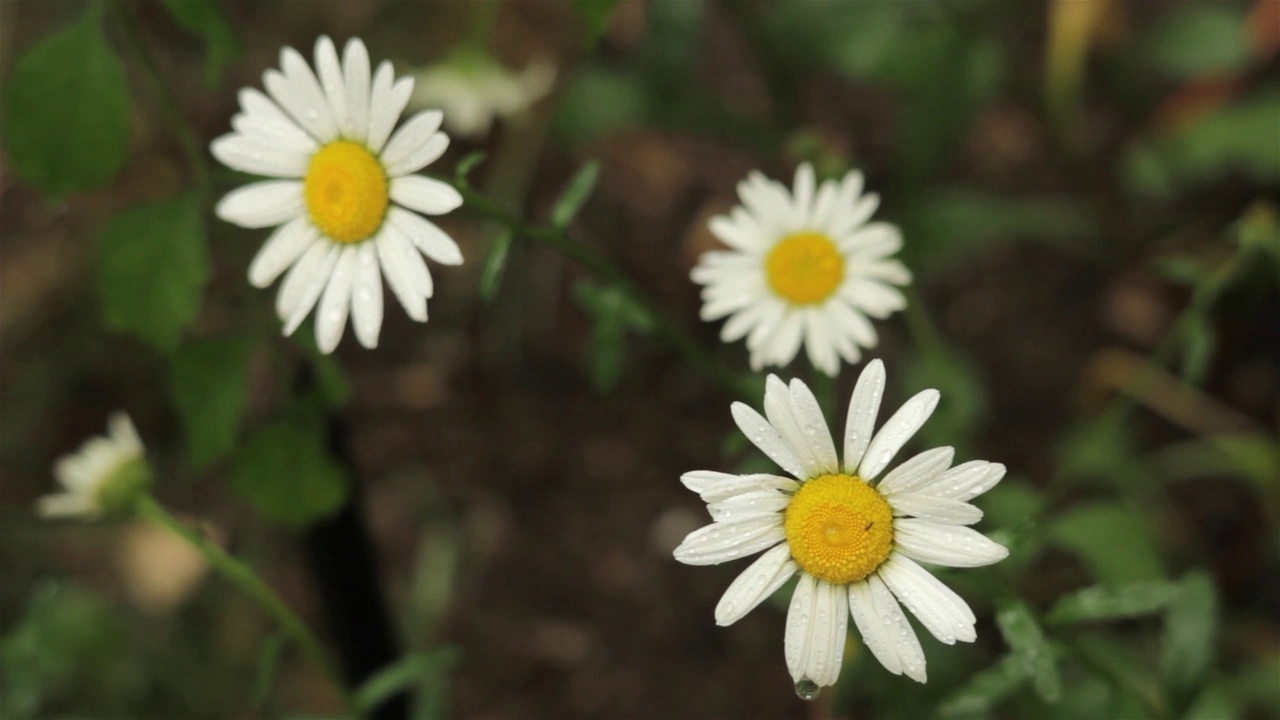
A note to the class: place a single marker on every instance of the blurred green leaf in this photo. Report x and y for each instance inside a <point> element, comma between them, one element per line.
<point>1100,449</point>
<point>1113,541</point>
<point>1138,695</point>
<point>153,264</point>
<point>286,474</point>
<point>986,689</point>
<point>575,195</point>
<point>330,378</point>
<point>1195,39</point>
<point>1182,270</point>
<point>203,18</point>
<point>1215,702</point>
<point>596,15</point>
<point>268,663</point>
<point>954,374</point>
<point>1103,602</point>
<point>1241,137</point>
<point>614,315</point>
<point>1255,457</point>
<point>210,385</point>
<point>1198,344</point>
<point>598,101</point>
<point>949,226</point>
<point>1190,634</point>
<point>1031,649</point>
<point>66,115</point>
<point>467,164</point>
<point>495,264</point>
<point>401,674</point>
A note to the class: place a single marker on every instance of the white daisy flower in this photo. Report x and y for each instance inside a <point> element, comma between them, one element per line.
<point>105,476</point>
<point>346,201</point>
<point>473,90</point>
<point>855,543</point>
<point>803,267</point>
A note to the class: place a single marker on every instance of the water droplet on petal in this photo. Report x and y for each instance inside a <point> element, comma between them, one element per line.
<point>807,689</point>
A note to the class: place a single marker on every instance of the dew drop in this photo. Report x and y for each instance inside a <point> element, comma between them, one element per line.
<point>807,690</point>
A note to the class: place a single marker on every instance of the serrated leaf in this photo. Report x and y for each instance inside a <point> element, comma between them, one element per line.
<point>66,115</point>
<point>210,385</point>
<point>495,264</point>
<point>401,674</point>
<point>285,472</point>
<point>1031,649</point>
<point>203,18</point>
<point>986,689</point>
<point>575,194</point>
<point>1190,632</point>
<point>1102,602</point>
<point>1112,541</point>
<point>153,264</point>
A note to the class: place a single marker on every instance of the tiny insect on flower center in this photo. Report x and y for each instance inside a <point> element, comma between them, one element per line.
<point>346,191</point>
<point>805,267</point>
<point>839,528</point>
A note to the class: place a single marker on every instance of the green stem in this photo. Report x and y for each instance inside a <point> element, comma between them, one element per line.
<point>172,111</point>
<point>243,577</point>
<point>920,325</point>
<point>602,268</point>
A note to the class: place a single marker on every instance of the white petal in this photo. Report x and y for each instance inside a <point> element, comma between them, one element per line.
<point>824,205</point>
<point>331,81</point>
<point>818,342</point>
<point>66,505</point>
<point>764,436</point>
<point>942,612</point>
<point>890,271</point>
<point>873,298</point>
<point>918,471</point>
<point>355,71</point>
<point>802,201</point>
<point>807,412</point>
<point>752,317</point>
<point>827,632</point>
<point>723,541</point>
<point>426,236</point>
<point>425,195</point>
<point>853,324</point>
<point>966,481</point>
<point>331,317</point>
<point>260,107</point>
<point>122,432</point>
<point>799,616</point>
<point>386,105</point>
<point>763,578</point>
<point>282,134</point>
<point>262,204</point>
<point>850,215</point>
<point>366,296</point>
<point>874,241</point>
<point>415,145</point>
<point>282,249</point>
<point>397,256</point>
<point>734,233</point>
<point>242,153</point>
<point>896,432</point>
<point>802,439</point>
<point>752,504</point>
<point>702,480</point>
<point>304,282</point>
<point>780,346</point>
<point>885,628</point>
<point>940,510</point>
<point>298,92</point>
<point>949,545</point>
<point>864,405</point>
<point>737,485</point>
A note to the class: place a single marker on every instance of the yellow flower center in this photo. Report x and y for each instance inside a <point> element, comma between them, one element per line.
<point>346,191</point>
<point>839,528</point>
<point>805,267</point>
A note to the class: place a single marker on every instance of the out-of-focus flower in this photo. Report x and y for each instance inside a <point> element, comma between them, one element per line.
<point>345,191</point>
<point>473,89</point>
<point>802,267</point>
<point>855,544</point>
<point>105,477</point>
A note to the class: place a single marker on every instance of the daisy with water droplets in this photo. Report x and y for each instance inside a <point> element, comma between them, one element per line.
<point>104,477</point>
<point>802,267</point>
<point>856,543</point>
<point>345,199</point>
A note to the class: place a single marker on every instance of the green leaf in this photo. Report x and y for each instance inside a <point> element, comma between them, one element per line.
<point>268,663</point>
<point>614,314</point>
<point>608,348</point>
<point>1111,540</point>
<point>203,18</point>
<point>596,15</point>
<point>575,194</point>
<point>153,265</point>
<point>955,375</point>
<point>1031,649</point>
<point>1215,702</point>
<point>285,473</point>
<point>1196,39</point>
<point>597,101</point>
<point>330,378</point>
<point>1198,344</point>
<point>467,164</point>
<point>403,673</point>
<point>210,389</point>
<point>1190,633</point>
<point>66,116</point>
<point>495,264</point>
<point>986,689</point>
<point>1103,602</point>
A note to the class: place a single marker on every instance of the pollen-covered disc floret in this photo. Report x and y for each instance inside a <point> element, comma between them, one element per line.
<point>852,532</point>
<point>803,266</point>
<point>345,202</point>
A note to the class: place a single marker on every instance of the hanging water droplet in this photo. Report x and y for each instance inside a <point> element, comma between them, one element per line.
<point>807,690</point>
